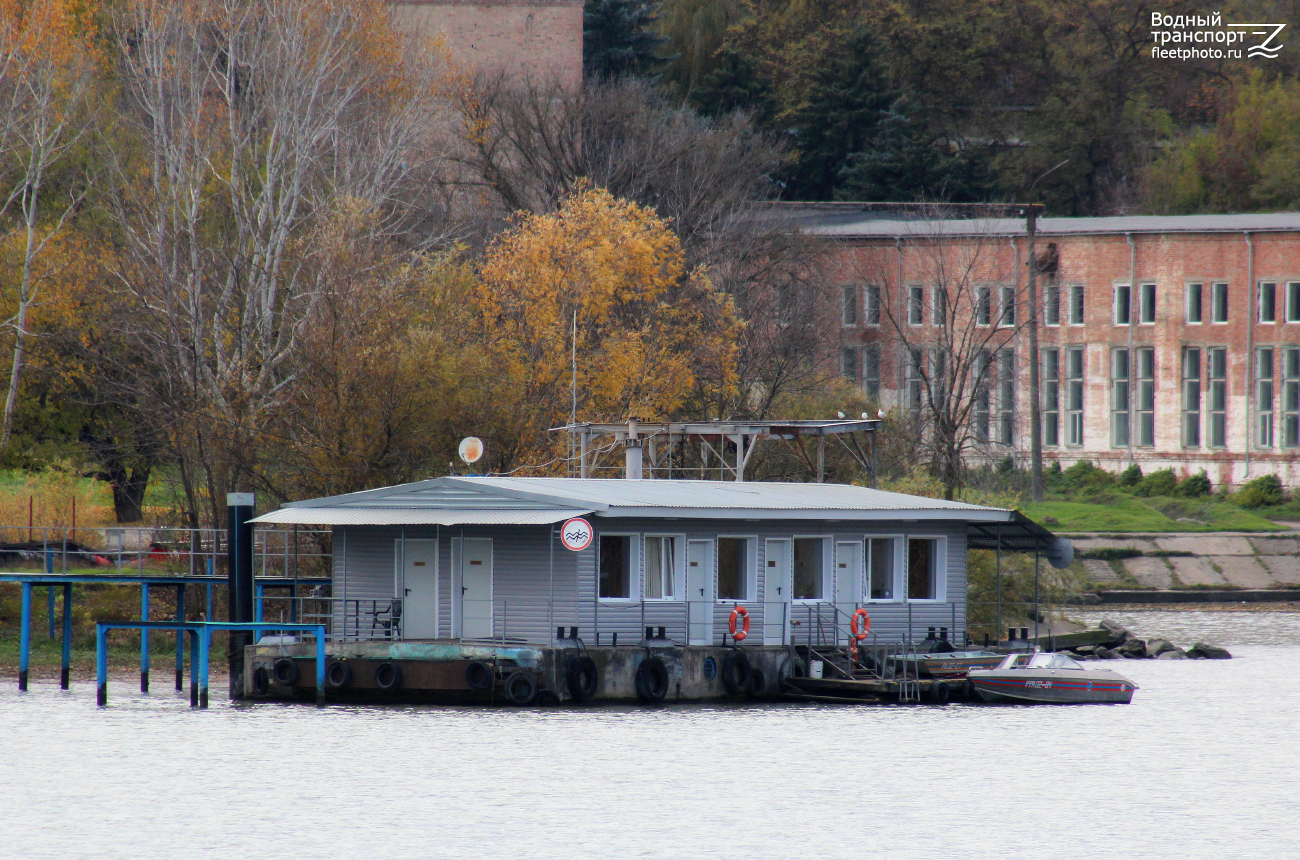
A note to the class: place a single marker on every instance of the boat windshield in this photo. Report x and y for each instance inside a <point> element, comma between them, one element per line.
<point>1060,661</point>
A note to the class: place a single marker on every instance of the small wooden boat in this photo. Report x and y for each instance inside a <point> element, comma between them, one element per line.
<point>948,666</point>
<point>1049,679</point>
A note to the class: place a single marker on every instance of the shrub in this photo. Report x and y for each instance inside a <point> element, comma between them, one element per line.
<point>1084,475</point>
<point>1194,486</point>
<point>1131,476</point>
<point>1264,491</point>
<point>1161,483</point>
<point>1053,476</point>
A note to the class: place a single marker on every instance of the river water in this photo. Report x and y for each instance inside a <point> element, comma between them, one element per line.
<point>1202,764</point>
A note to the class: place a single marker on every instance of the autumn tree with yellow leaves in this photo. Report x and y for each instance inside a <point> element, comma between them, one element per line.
<point>604,280</point>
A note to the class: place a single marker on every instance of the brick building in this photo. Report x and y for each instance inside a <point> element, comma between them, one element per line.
<point>1167,341</point>
<point>541,39</point>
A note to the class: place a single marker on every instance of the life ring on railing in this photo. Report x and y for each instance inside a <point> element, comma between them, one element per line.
<point>743,614</point>
<point>860,634</point>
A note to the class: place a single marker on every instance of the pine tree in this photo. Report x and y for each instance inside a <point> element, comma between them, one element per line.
<point>619,39</point>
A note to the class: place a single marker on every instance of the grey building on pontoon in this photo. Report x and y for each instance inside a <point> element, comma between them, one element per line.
<point>468,558</point>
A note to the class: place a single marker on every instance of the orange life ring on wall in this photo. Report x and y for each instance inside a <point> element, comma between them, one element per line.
<point>859,635</point>
<point>742,613</point>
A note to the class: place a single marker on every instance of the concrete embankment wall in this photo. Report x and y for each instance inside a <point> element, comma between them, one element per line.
<point>1212,561</point>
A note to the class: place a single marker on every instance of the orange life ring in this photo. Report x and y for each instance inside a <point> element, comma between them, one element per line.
<point>742,613</point>
<point>860,634</point>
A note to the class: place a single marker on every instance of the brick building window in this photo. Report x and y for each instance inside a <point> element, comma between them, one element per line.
<point>939,307</point>
<point>1147,304</point>
<point>1076,304</point>
<point>1216,372</point>
<point>1219,303</point>
<point>1291,397</point>
<point>1293,302</point>
<point>980,412</point>
<point>1264,397</point>
<point>1074,395</point>
<point>1051,396</point>
<point>1267,302</point>
<point>871,305</point>
<point>849,306</point>
<point>1191,397</point>
<point>915,381</point>
<point>1194,306</point>
<point>1007,310</point>
<point>1144,406</point>
<point>849,363</point>
<point>871,370</point>
<point>1123,305</point>
<point>983,306</point>
<point>1119,397</point>
<point>1051,305</point>
<point>1006,396</point>
<point>915,305</point>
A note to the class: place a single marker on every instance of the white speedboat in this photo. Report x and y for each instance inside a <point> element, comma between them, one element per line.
<point>1049,679</point>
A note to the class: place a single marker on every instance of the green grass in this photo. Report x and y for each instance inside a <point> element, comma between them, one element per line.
<point>1123,513</point>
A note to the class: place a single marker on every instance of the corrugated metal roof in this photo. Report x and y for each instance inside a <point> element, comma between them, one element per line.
<point>394,516</point>
<point>840,225</point>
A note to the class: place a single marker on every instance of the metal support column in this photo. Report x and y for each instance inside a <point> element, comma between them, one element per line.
<point>180,638</point>
<point>67,636</point>
<point>25,637</point>
<point>144,638</point>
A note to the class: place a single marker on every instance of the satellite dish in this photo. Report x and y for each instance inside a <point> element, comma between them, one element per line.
<point>471,449</point>
<point>1060,553</point>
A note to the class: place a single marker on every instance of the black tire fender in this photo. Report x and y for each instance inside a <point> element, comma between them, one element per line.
<point>478,675</point>
<point>261,681</point>
<point>651,681</point>
<point>285,672</point>
<point>736,671</point>
<point>388,676</point>
<point>520,687</point>
<point>939,692</point>
<point>582,678</point>
<point>757,682</point>
<point>339,675</point>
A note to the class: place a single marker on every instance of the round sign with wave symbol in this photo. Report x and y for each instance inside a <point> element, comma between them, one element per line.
<point>576,534</point>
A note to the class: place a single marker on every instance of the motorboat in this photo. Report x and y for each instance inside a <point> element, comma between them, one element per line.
<point>1046,678</point>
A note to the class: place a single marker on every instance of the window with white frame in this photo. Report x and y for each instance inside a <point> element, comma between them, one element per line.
<point>1123,305</point>
<point>809,568</point>
<point>1267,302</point>
<point>1006,396</point>
<point>939,306</point>
<point>1216,367</point>
<point>1074,395</point>
<point>983,306</point>
<point>1264,396</point>
<point>1291,397</point>
<point>616,566</point>
<point>1147,304</point>
<point>849,363</point>
<point>882,568</point>
<point>1194,305</point>
<point>1144,399</point>
<point>1293,302</point>
<point>982,383</point>
<point>1052,305</point>
<point>1076,304</point>
<point>735,579</point>
<point>1007,309</point>
<point>1119,397</point>
<point>1051,389</point>
<point>661,566</point>
<point>871,305</point>
<point>915,381</point>
<point>1219,303</point>
<point>849,305</point>
<point>1191,397</point>
<point>871,370</point>
<point>925,568</point>
<point>915,305</point>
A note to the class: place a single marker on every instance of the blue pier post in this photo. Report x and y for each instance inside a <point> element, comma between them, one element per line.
<point>67,636</point>
<point>207,609</point>
<point>180,639</point>
<point>320,665</point>
<point>205,646</point>
<point>144,638</point>
<point>25,637</point>
<point>101,665</point>
<point>194,668</point>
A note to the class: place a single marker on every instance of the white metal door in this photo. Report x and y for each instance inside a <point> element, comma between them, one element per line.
<point>417,585</point>
<point>476,588</point>
<point>699,590</point>
<point>848,584</point>
<point>776,591</point>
